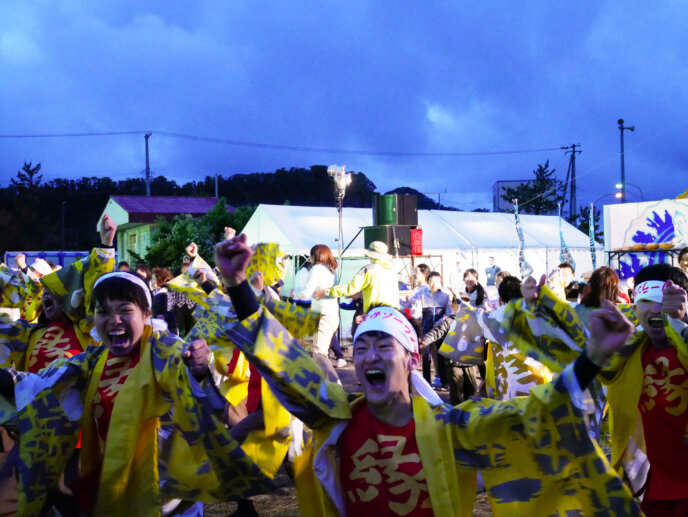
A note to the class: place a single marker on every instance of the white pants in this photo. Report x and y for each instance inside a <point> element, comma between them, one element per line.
<point>326,329</point>
<point>321,346</point>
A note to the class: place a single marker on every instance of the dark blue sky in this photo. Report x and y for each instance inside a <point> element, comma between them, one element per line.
<point>379,76</point>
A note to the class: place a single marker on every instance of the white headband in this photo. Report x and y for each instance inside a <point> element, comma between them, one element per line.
<point>131,278</point>
<point>652,290</point>
<point>41,266</point>
<point>392,322</point>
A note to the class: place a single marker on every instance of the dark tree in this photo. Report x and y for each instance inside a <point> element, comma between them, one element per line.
<point>539,196</point>
<point>28,177</point>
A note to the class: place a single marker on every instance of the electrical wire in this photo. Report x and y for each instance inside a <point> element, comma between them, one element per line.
<point>344,151</point>
<point>76,135</point>
<point>262,145</point>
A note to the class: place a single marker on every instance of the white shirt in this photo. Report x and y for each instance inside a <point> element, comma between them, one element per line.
<point>300,279</point>
<point>320,277</point>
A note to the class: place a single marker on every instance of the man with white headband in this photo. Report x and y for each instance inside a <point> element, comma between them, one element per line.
<point>648,394</point>
<point>399,450</point>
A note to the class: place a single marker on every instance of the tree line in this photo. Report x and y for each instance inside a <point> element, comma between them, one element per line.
<point>31,210</point>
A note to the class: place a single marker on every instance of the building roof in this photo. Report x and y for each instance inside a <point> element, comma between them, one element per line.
<point>146,209</point>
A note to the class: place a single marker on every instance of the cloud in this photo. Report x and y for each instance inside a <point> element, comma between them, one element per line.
<point>410,77</point>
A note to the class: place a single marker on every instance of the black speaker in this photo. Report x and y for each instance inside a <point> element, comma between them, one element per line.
<point>407,208</point>
<point>396,237</point>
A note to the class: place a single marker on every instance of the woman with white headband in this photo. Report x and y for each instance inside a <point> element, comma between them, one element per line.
<point>399,450</point>
<point>150,420</point>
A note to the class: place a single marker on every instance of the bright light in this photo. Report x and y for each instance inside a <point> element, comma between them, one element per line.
<point>342,179</point>
<point>617,195</point>
<point>618,185</point>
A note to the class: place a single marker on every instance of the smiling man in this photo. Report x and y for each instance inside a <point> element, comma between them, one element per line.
<point>648,393</point>
<point>399,450</point>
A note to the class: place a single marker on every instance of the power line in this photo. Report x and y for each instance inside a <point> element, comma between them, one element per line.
<point>344,151</point>
<point>263,145</point>
<point>73,135</point>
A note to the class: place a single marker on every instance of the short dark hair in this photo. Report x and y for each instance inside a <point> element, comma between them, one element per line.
<point>118,288</point>
<point>567,265</point>
<point>433,274</point>
<point>509,289</point>
<point>470,271</point>
<point>662,272</point>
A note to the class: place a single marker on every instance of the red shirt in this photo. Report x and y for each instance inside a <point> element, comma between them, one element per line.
<point>58,341</point>
<point>115,373</point>
<point>664,409</point>
<point>381,469</point>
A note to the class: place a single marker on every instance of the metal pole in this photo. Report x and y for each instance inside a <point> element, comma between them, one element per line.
<point>64,204</point>
<point>148,178</point>
<point>573,209</point>
<point>339,241</point>
<point>622,199</point>
<point>216,196</point>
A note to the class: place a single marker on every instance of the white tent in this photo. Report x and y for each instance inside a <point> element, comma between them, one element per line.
<point>471,237</point>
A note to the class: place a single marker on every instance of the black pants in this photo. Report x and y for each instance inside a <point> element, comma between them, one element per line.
<point>463,382</point>
<point>430,354</point>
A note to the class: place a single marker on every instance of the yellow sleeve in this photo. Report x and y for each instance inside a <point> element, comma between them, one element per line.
<point>536,455</point>
<point>357,283</point>
<point>72,286</point>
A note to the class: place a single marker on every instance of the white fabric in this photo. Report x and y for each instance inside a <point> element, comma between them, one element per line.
<point>300,279</point>
<point>41,266</point>
<point>392,322</point>
<point>319,277</point>
<point>327,326</point>
<point>652,290</point>
<point>131,278</point>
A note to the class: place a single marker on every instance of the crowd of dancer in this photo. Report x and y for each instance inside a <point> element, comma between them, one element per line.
<point>149,392</point>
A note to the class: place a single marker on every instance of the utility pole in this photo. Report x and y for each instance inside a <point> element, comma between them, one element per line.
<point>148,178</point>
<point>573,201</point>
<point>216,196</point>
<point>439,196</point>
<point>622,128</point>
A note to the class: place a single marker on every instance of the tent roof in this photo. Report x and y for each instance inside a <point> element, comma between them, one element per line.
<point>298,228</point>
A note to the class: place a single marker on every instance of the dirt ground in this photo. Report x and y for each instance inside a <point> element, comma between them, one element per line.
<point>283,502</point>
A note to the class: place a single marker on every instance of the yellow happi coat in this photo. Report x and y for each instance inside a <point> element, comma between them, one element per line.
<point>625,380</point>
<point>72,288</point>
<point>197,459</point>
<point>535,453</point>
<point>509,371</point>
<point>267,446</point>
<point>20,292</point>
